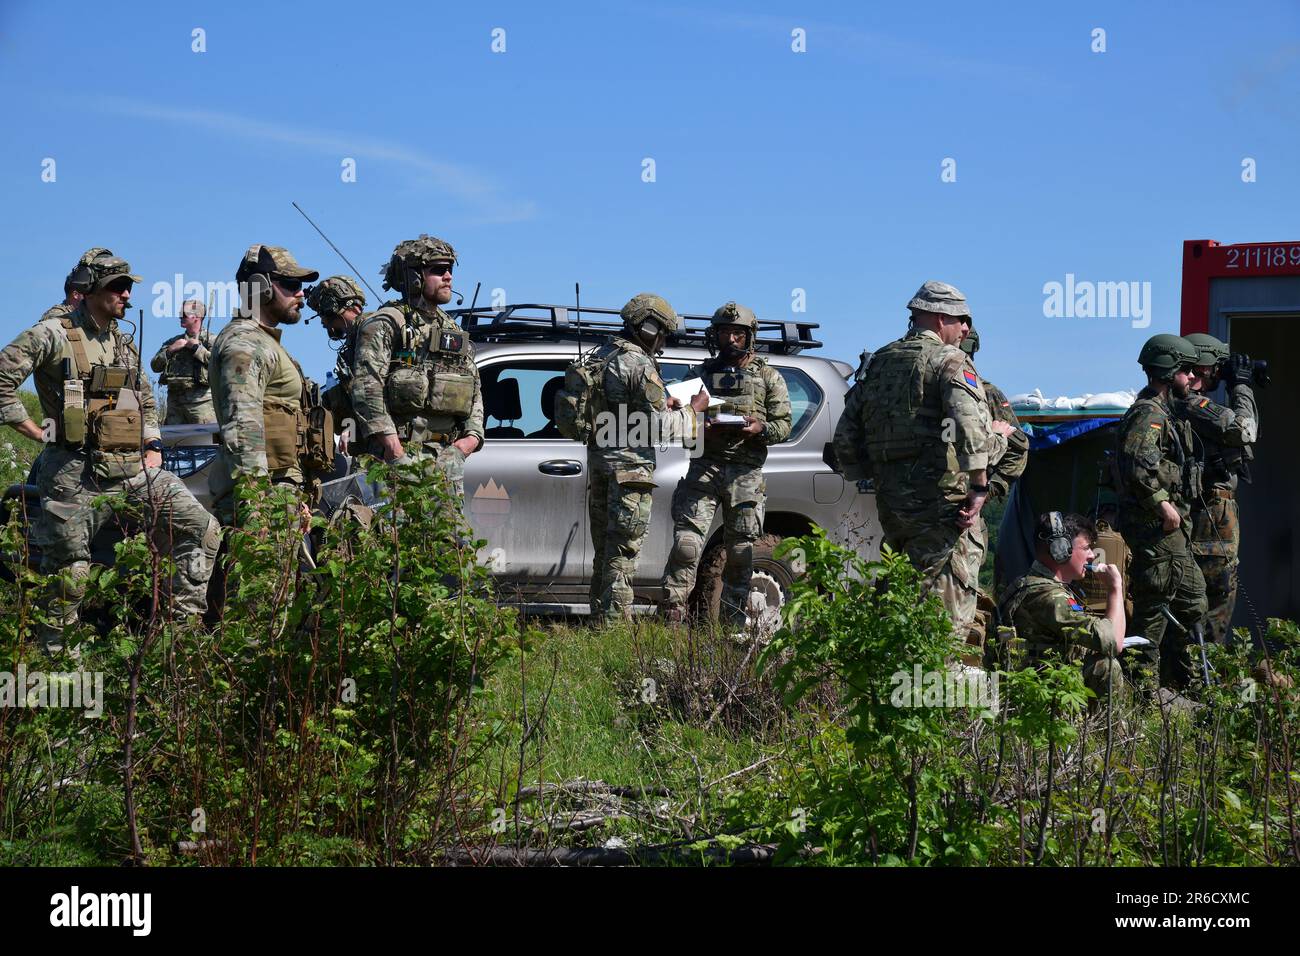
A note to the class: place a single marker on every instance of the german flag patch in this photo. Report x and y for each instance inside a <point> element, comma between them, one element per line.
<point>1204,402</point>
<point>1156,426</point>
<point>971,379</point>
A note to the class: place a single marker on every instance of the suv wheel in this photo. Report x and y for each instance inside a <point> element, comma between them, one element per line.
<point>773,578</point>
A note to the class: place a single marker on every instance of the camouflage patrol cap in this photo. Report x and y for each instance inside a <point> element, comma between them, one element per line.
<point>940,297</point>
<point>1209,350</point>
<point>413,254</point>
<point>335,294</point>
<point>94,252</point>
<point>971,343</point>
<point>107,267</point>
<point>648,305</point>
<point>274,261</point>
<point>733,313</point>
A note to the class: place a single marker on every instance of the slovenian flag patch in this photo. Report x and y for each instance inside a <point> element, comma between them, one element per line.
<point>971,380</point>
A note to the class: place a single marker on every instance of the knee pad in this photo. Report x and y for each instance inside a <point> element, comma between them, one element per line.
<point>687,547</point>
<point>73,580</point>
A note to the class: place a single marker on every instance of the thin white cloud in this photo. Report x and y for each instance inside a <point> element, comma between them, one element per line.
<point>888,51</point>
<point>480,194</point>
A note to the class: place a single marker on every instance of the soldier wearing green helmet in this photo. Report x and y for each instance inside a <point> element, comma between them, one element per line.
<point>630,406</point>
<point>730,471</point>
<point>1227,436</point>
<point>415,386</point>
<point>1158,479</point>
<point>340,303</point>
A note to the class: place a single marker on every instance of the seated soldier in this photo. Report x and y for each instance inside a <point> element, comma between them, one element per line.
<point>1048,614</point>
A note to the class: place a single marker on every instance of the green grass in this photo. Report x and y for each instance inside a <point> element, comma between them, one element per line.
<point>601,721</point>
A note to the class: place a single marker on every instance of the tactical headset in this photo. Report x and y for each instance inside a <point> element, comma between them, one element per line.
<point>259,282</point>
<point>1059,543</point>
<point>82,277</point>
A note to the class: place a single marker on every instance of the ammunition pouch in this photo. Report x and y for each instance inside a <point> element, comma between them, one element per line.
<point>116,466</point>
<point>451,392</point>
<point>318,454</point>
<point>407,390</point>
<point>114,429</point>
<point>284,427</point>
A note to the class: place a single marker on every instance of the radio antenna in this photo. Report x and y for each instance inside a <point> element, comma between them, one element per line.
<point>354,269</point>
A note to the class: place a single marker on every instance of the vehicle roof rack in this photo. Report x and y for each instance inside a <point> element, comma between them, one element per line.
<point>542,322</point>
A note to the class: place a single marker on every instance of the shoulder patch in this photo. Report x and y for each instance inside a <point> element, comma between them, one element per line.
<point>1156,425</point>
<point>971,378</point>
<point>1204,402</point>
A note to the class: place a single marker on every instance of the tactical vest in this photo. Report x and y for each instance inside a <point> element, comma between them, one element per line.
<point>1178,470</point>
<point>298,433</point>
<point>1027,586</point>
<point>90,417</point>
<point>902,406</point>
<point>186,371</point>
<point>431,372</point>
<point>743,392</point>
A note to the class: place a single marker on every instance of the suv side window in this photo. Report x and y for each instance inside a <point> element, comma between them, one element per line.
<point>519,398</point>
<point>805,399</point>
<point>805,396</point>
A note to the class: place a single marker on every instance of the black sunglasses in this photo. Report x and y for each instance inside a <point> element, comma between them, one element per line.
<point>439,268</point>
<point>289,286</point>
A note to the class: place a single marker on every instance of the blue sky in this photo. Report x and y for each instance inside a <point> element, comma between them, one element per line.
<point>775,170</point>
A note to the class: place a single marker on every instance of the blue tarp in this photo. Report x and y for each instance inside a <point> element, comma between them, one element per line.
<point>1049,436</point>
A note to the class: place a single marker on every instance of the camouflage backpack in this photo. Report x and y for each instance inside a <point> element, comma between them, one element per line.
<point>575,405</point>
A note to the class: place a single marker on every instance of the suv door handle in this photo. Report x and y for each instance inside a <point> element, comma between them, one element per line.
<point>560,466</point>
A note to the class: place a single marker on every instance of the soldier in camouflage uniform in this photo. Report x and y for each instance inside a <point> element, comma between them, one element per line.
<point>1227,437</point>
<point>257,386</point>
<point>1011,465</point>
<point>1157,481</point>
<point>71,296</point>
<point>415,387</point>
<point>1002,475</point>
<point>630,407</point>
<point>183,362</point>
<point>106,443</point>
<point>340,304</point>
<point>730,470</point>
<point>919,425</point>
<point>1047,611</point>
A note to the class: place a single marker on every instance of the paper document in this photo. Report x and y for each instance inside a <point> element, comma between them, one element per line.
<point>1135,641</point>
<point>726,418</point>
<point>685,391</point>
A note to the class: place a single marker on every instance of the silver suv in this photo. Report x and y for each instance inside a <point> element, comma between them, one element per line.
<point>526,488</point>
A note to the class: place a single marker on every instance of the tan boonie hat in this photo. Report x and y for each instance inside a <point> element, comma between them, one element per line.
<point>194,307</point>
<point>275,261</point>
<point>940,297</point>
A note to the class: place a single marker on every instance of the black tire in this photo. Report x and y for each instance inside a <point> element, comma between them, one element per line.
<point>771,574</point>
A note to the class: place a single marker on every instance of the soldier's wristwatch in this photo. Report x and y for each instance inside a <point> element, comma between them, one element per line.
<point>153,444</point>
<point>982,489</point>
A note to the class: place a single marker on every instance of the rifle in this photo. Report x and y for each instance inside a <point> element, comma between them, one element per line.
<point>1194,631</point>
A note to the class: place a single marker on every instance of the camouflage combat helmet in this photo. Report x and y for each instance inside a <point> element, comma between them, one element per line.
<point>96,270</point>
<point>412,255</point>
<point>733,313</point>
<point>1165,354</point>
<point>1209,350</point>
<point>940,297</point>
<point>647,305</point>
<point>971,343</point>
<point>335,294</point>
